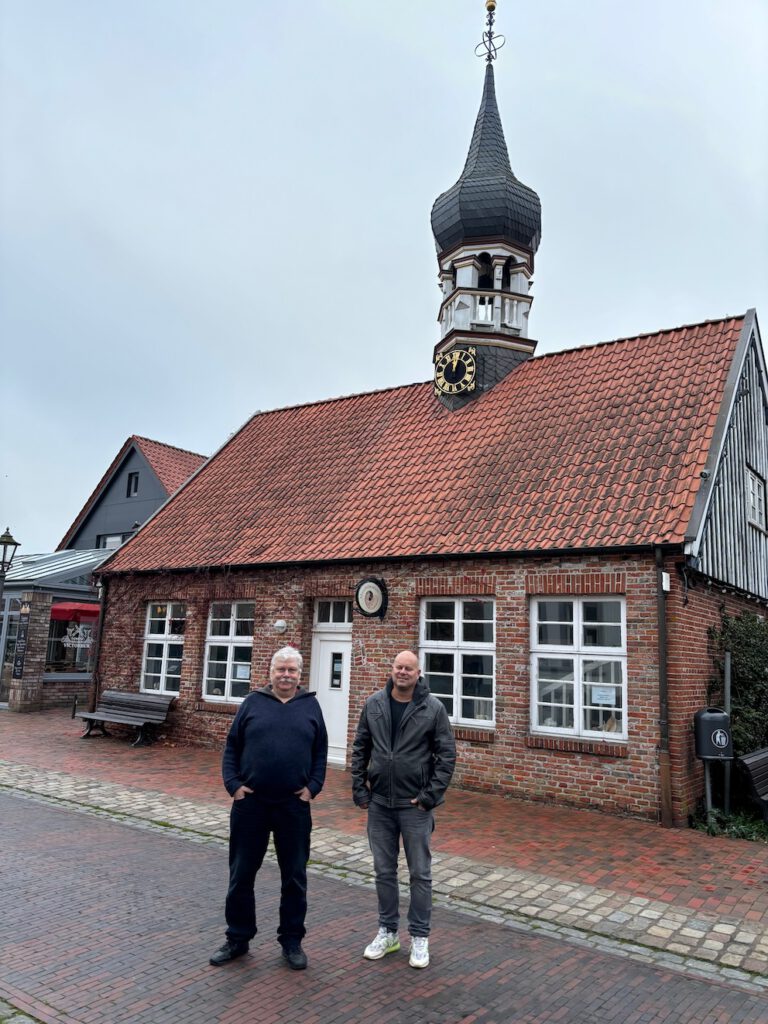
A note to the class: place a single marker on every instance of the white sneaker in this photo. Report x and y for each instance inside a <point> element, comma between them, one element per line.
<point>385,942</point>
<point>419,951</point>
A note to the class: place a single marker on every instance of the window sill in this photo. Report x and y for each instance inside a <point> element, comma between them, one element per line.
<point>67,677</point>
<point>575,745</point>
<point>217,707</point>
<point>472,735</point>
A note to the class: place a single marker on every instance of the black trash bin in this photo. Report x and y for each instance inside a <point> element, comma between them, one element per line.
<point>712,735</point>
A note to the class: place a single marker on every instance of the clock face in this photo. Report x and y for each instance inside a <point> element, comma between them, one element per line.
<point>455,371</point>
<point>371,597</point>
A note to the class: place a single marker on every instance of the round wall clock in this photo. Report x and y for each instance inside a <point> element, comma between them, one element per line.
<point>455,371</point>
<point>371,597</point>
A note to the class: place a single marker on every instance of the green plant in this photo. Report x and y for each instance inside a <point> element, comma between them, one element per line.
<point>735,826</point>
<point>746,637</point>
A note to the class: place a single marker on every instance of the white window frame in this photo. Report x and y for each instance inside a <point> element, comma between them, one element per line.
<point>338,617</point>
<point>459,647</point>
<point>756,504</point>
<point>230,641</point>
<point>109,541</point>
<point>580,653</point>
<point>166,640</point>
<point>132,484</point>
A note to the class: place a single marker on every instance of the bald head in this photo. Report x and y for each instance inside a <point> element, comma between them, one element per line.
<point>405,675</point>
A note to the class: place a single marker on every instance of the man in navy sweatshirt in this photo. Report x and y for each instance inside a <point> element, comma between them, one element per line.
<point>273,767</point>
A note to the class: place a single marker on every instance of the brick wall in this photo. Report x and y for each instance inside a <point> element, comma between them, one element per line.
<point>26,694</point>
<point>691,611</point>
<point>614,777</point>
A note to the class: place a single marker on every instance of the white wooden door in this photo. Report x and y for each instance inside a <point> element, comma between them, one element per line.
<point>331,658</point>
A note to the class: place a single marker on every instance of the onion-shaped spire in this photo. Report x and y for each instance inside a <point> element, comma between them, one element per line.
<point>487,201</point>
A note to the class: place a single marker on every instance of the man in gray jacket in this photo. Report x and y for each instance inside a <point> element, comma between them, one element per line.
<point>402,762</point>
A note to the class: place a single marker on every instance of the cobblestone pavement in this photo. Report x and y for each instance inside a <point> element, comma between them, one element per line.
<point>678,897</point>
<point>105,922</point>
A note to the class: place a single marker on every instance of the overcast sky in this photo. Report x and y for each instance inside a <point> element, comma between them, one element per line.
<point>208,207</point>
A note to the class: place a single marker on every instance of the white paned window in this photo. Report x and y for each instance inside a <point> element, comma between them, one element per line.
<point>333,612</point>
<point>756,499</point>
<point>163,647</point>
<point>228,650</point>
<point>458,655</point>
<point>579,666</point>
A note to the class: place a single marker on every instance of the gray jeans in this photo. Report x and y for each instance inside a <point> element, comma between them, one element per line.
<point>385,827</point>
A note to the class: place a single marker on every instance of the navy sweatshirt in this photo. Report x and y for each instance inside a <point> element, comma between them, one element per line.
<point>275,748</point>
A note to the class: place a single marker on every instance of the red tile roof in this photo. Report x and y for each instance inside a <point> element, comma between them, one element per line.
<point>593,447</point>
<point>172,466</point>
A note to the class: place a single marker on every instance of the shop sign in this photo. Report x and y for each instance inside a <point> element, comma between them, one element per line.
<point>79,637</point>
<point>21,642</point>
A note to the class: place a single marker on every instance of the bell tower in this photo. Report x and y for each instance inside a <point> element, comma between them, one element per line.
<point>487,229</point>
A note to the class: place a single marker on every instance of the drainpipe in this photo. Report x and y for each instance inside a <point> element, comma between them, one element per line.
<point>96,677</point>
<point>665,775</point>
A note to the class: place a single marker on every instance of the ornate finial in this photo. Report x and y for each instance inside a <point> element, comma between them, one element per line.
<point>491,43</point>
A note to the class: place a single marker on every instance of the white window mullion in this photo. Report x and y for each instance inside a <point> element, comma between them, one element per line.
<point>452,630</point>
<point>161,615</point>
<point>224,635</point>
<point>596,647</point>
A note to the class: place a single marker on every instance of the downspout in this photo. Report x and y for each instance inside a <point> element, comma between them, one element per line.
<point>102,587</point>
<point>665,774</point>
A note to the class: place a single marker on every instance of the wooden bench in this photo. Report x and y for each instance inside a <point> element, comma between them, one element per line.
<point>754,768</point>
<point>142,710</point>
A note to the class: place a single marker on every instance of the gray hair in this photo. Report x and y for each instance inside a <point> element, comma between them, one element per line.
<point>286,654</point>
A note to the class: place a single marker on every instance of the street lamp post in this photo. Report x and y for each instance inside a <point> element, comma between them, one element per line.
<point>7,550</point>
<point>8,546</point>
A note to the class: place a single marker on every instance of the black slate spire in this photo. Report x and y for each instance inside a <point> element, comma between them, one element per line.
<point>487,201</point>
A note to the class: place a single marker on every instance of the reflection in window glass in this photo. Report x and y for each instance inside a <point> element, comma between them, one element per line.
<point>578,692</point>
<point>458,655</point>
<point>163,646</point>
<point>337,612</point>
<point>228,650</point>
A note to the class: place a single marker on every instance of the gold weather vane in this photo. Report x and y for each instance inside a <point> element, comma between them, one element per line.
<point>491,43</point>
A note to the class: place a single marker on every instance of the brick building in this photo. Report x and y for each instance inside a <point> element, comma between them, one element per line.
<point>554,535</point>
<point>50,600</point>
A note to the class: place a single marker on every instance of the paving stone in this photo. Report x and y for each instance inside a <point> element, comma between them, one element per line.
<point>498,856</point>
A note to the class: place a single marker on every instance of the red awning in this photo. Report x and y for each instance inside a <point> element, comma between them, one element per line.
<point>68,610</point>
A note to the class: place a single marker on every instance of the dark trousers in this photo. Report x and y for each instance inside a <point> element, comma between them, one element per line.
<point>251,821</point>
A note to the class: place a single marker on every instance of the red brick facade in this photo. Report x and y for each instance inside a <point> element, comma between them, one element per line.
<point>617,777</point>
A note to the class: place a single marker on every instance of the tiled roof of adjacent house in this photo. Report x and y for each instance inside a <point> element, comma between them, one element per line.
<point>172,466</point>
<point>593,447</point>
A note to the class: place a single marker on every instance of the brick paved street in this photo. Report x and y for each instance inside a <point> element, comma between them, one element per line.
<point>674,901</point>
<point>105,923</point>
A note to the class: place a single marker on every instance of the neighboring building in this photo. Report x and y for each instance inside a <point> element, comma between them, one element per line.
<point>142,476</point>
<point>49,629</point>
<point>51,599</point>
<point>554,535</point>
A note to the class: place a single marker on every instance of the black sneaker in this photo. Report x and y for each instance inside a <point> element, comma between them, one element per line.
<point>229,951</point>
<point>296,957</point>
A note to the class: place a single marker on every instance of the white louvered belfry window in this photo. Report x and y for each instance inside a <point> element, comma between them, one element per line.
<point>458,656</point>
<point>579,666</point>
<point>228,650</point>
<point>163,646</point>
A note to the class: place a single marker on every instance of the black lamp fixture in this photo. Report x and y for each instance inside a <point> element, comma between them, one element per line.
<point>8,545</point>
